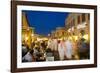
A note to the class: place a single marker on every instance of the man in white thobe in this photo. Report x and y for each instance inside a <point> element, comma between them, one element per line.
<point>68,50</point>
<point>61,48</point>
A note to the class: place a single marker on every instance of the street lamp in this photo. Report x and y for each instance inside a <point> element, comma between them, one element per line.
<point>26,38</point>
<point>32,34</point>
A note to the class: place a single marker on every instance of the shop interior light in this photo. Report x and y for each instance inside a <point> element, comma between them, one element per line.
<point>26,38</point>
<point>70,38</point>
<point>76,38</point>
<point>85,36</point>
<point>32,34</point>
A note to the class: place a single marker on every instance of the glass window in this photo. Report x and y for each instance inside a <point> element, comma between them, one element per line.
<point>73,22</point>
<point>79,19</point>
<point>89,16</point>
<point>83,17</point>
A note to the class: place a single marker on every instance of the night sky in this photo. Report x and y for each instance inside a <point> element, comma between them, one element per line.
<point>45,21</point>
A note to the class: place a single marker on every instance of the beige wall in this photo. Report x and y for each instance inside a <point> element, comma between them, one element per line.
<point>26,31</point>
<point>75,19</point>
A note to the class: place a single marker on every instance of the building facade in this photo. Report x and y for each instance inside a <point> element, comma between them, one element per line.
<point>27,32</point>
<point>78,24</point>
<point>60,32</point>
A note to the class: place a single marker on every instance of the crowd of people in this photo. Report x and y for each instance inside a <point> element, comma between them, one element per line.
<point>54,49</point>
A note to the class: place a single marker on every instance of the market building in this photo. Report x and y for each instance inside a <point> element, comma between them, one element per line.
<point>60,32</point>
<point>78,25</point>
<point>27,32</point>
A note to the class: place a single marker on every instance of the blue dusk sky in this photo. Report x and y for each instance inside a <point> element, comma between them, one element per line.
<point>45,21</point>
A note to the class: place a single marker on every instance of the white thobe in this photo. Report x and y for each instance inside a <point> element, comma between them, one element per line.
<point>61,51</point>
<point>68,51</point>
